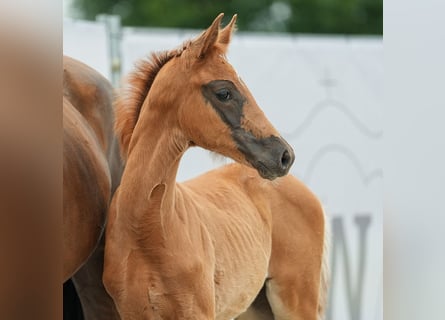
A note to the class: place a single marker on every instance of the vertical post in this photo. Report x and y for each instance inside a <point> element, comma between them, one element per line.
<point>114,31</point>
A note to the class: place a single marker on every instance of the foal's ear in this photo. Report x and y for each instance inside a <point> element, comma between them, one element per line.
<point>208,38</point>
<point>225,35</point>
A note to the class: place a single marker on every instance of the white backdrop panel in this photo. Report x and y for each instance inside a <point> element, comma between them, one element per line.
<point>88,42</point>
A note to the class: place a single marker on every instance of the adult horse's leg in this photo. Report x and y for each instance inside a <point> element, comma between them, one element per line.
<point>72,309</point>
<point>96,303</point>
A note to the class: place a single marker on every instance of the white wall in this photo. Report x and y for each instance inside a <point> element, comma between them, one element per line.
<point>88,42</point>
<point>324,94</point>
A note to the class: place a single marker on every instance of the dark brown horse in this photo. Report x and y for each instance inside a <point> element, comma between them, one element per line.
<point>204,249</point>
<point>91,171</point>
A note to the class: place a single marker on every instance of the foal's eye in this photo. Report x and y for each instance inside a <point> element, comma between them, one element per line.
<point>223,95</point>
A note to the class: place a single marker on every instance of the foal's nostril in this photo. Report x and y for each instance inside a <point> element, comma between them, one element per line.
<point>285,159</point>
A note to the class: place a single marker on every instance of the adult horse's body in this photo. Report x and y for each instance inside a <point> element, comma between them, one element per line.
<point>91,170</point>
<point>204,249</point>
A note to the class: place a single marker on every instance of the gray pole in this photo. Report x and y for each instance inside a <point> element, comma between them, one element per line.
<point>114,30</point>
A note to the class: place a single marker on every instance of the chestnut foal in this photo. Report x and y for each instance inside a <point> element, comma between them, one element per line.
<point>205,248</point>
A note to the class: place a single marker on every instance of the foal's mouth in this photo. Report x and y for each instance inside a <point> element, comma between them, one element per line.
<point>264,172</point>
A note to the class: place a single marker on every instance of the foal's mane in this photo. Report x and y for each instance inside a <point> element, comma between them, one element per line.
<point>132,96</point>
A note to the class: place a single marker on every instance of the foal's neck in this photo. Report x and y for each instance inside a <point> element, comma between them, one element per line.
<point>154,154</point>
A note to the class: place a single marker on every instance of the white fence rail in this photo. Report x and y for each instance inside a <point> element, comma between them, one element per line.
<point>324,94</point>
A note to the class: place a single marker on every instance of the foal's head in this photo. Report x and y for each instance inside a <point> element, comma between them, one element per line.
<point>210,104</point>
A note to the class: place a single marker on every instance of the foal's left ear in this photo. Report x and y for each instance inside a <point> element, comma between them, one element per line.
<point>225,35</point>
<point>208,38</point>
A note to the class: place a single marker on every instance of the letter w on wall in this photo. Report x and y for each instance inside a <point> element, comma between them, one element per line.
<point>341,262</point>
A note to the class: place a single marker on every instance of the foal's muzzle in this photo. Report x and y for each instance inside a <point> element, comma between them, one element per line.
<point>272,157</point>
<point>275,161</point>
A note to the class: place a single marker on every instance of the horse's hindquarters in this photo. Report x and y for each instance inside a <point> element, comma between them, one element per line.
<point>86,191</point>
